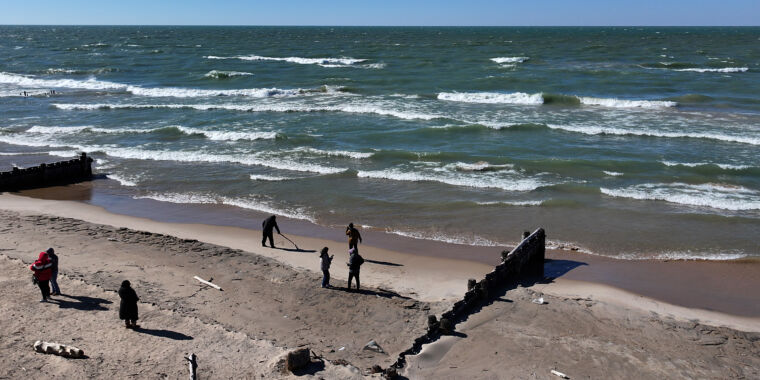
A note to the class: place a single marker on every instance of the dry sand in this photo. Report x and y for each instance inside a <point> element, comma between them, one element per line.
<point>272,302</point>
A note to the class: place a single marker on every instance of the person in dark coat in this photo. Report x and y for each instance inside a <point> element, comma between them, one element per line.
<point>54,272</point>
<point>354,237</point>
<point>269,224</point>
<point>325,262</point>
<point>128,305</point>
<point>42,273</point>
<point>354,264</point>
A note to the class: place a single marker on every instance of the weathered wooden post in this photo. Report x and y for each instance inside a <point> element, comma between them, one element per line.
<point>471,284</point>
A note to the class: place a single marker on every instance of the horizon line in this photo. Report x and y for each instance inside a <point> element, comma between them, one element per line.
<point>407,26</point>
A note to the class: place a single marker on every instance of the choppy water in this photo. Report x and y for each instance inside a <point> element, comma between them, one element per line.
<point>634,142</point>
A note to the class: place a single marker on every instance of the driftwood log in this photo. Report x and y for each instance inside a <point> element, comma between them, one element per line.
<point>202,281</point>
<point>58,349</point>
<point>192,364</point>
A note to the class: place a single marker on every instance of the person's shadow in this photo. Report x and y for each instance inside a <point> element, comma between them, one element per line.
<point>80,302</point>
<point>164,333</point>
<point>384,263</point>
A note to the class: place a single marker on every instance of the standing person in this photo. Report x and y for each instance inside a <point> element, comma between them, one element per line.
<point>54,272</point>
<point>354,264</point>
<point>269,224</point>
<point>128,305</point>
<point>325,262</point>
<point>42,273</point>
<point>354,237</point>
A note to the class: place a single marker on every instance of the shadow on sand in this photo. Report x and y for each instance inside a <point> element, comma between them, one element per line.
<point>311,369</point>
<point>164,334</point>
<point>383,263</point>
<point>80,302</point>
<point>369,292</point>
<point>296,249</point>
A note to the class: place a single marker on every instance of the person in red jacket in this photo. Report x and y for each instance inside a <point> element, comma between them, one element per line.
<point>42,269</point>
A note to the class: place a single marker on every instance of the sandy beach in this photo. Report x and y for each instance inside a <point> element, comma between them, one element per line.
<point>603,318</point>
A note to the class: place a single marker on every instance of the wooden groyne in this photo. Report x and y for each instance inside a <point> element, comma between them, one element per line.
<point>58,173</point>
<point>526,259</point>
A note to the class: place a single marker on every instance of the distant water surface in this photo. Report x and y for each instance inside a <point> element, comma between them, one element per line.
<point>629,142</point>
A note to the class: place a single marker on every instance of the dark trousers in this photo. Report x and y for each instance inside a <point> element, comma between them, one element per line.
<point>54,283</point>
<point>325,278</point>
<point>44,288</point>
<point>269,235</point>
<point>353,244</point>
<point>352,275</point>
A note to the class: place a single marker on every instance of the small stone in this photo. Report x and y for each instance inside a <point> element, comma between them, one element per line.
<point>373,346</point>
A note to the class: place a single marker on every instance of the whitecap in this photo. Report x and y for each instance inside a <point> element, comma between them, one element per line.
<point>510,59</point>
<point>219,74</point>
<point>623,103</point>
<point>595,130</point>
<point>263,177</point>
<point>492,97</point>
<point>712,70</point>
<point>334,153</point>
<point>448,177</point>
<point>717,196</point>
<point>229,135</point>
<point>324,62</point>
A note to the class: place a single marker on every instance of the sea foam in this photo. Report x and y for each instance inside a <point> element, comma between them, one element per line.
<point>251,204</point>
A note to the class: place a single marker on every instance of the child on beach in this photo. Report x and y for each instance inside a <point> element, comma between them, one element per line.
<point>354,264</point>
<point>128,305</point>
<point>42,273</point>
<point>54,272</point>
<point>325,262</point>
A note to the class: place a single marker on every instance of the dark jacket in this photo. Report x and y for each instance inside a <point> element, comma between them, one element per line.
<point>54,259</point>
<point>270,223</point>
<point>325,262</point>
<point>128,305</point>
<point>42,267</point>
<point>355,262</point>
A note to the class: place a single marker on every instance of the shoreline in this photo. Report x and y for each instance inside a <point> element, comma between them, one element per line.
<point>722,289</point>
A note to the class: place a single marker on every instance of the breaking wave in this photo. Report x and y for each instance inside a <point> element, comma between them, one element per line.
<point>446,176</point>
<point>594,130</point>
<point>324,62</point>
<point>250,204</point>
<point>348,108</point>
<point>544,98</point>
<point>176,92</point>
<point>717,196</point>
<point>218,74</point>
<point>510,59</point>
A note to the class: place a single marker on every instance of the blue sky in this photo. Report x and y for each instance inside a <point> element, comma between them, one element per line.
<point>385,12</point>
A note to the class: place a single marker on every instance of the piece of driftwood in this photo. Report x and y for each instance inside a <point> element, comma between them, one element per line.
<point>58,349</point>
<point>560,374</point>
<point>192,364</point>
<point>202,281</point>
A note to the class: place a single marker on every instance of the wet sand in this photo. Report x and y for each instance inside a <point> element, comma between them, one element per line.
<point>722,286</point>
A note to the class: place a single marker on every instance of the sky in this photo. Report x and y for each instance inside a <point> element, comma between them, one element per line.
<point>382,12</point>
